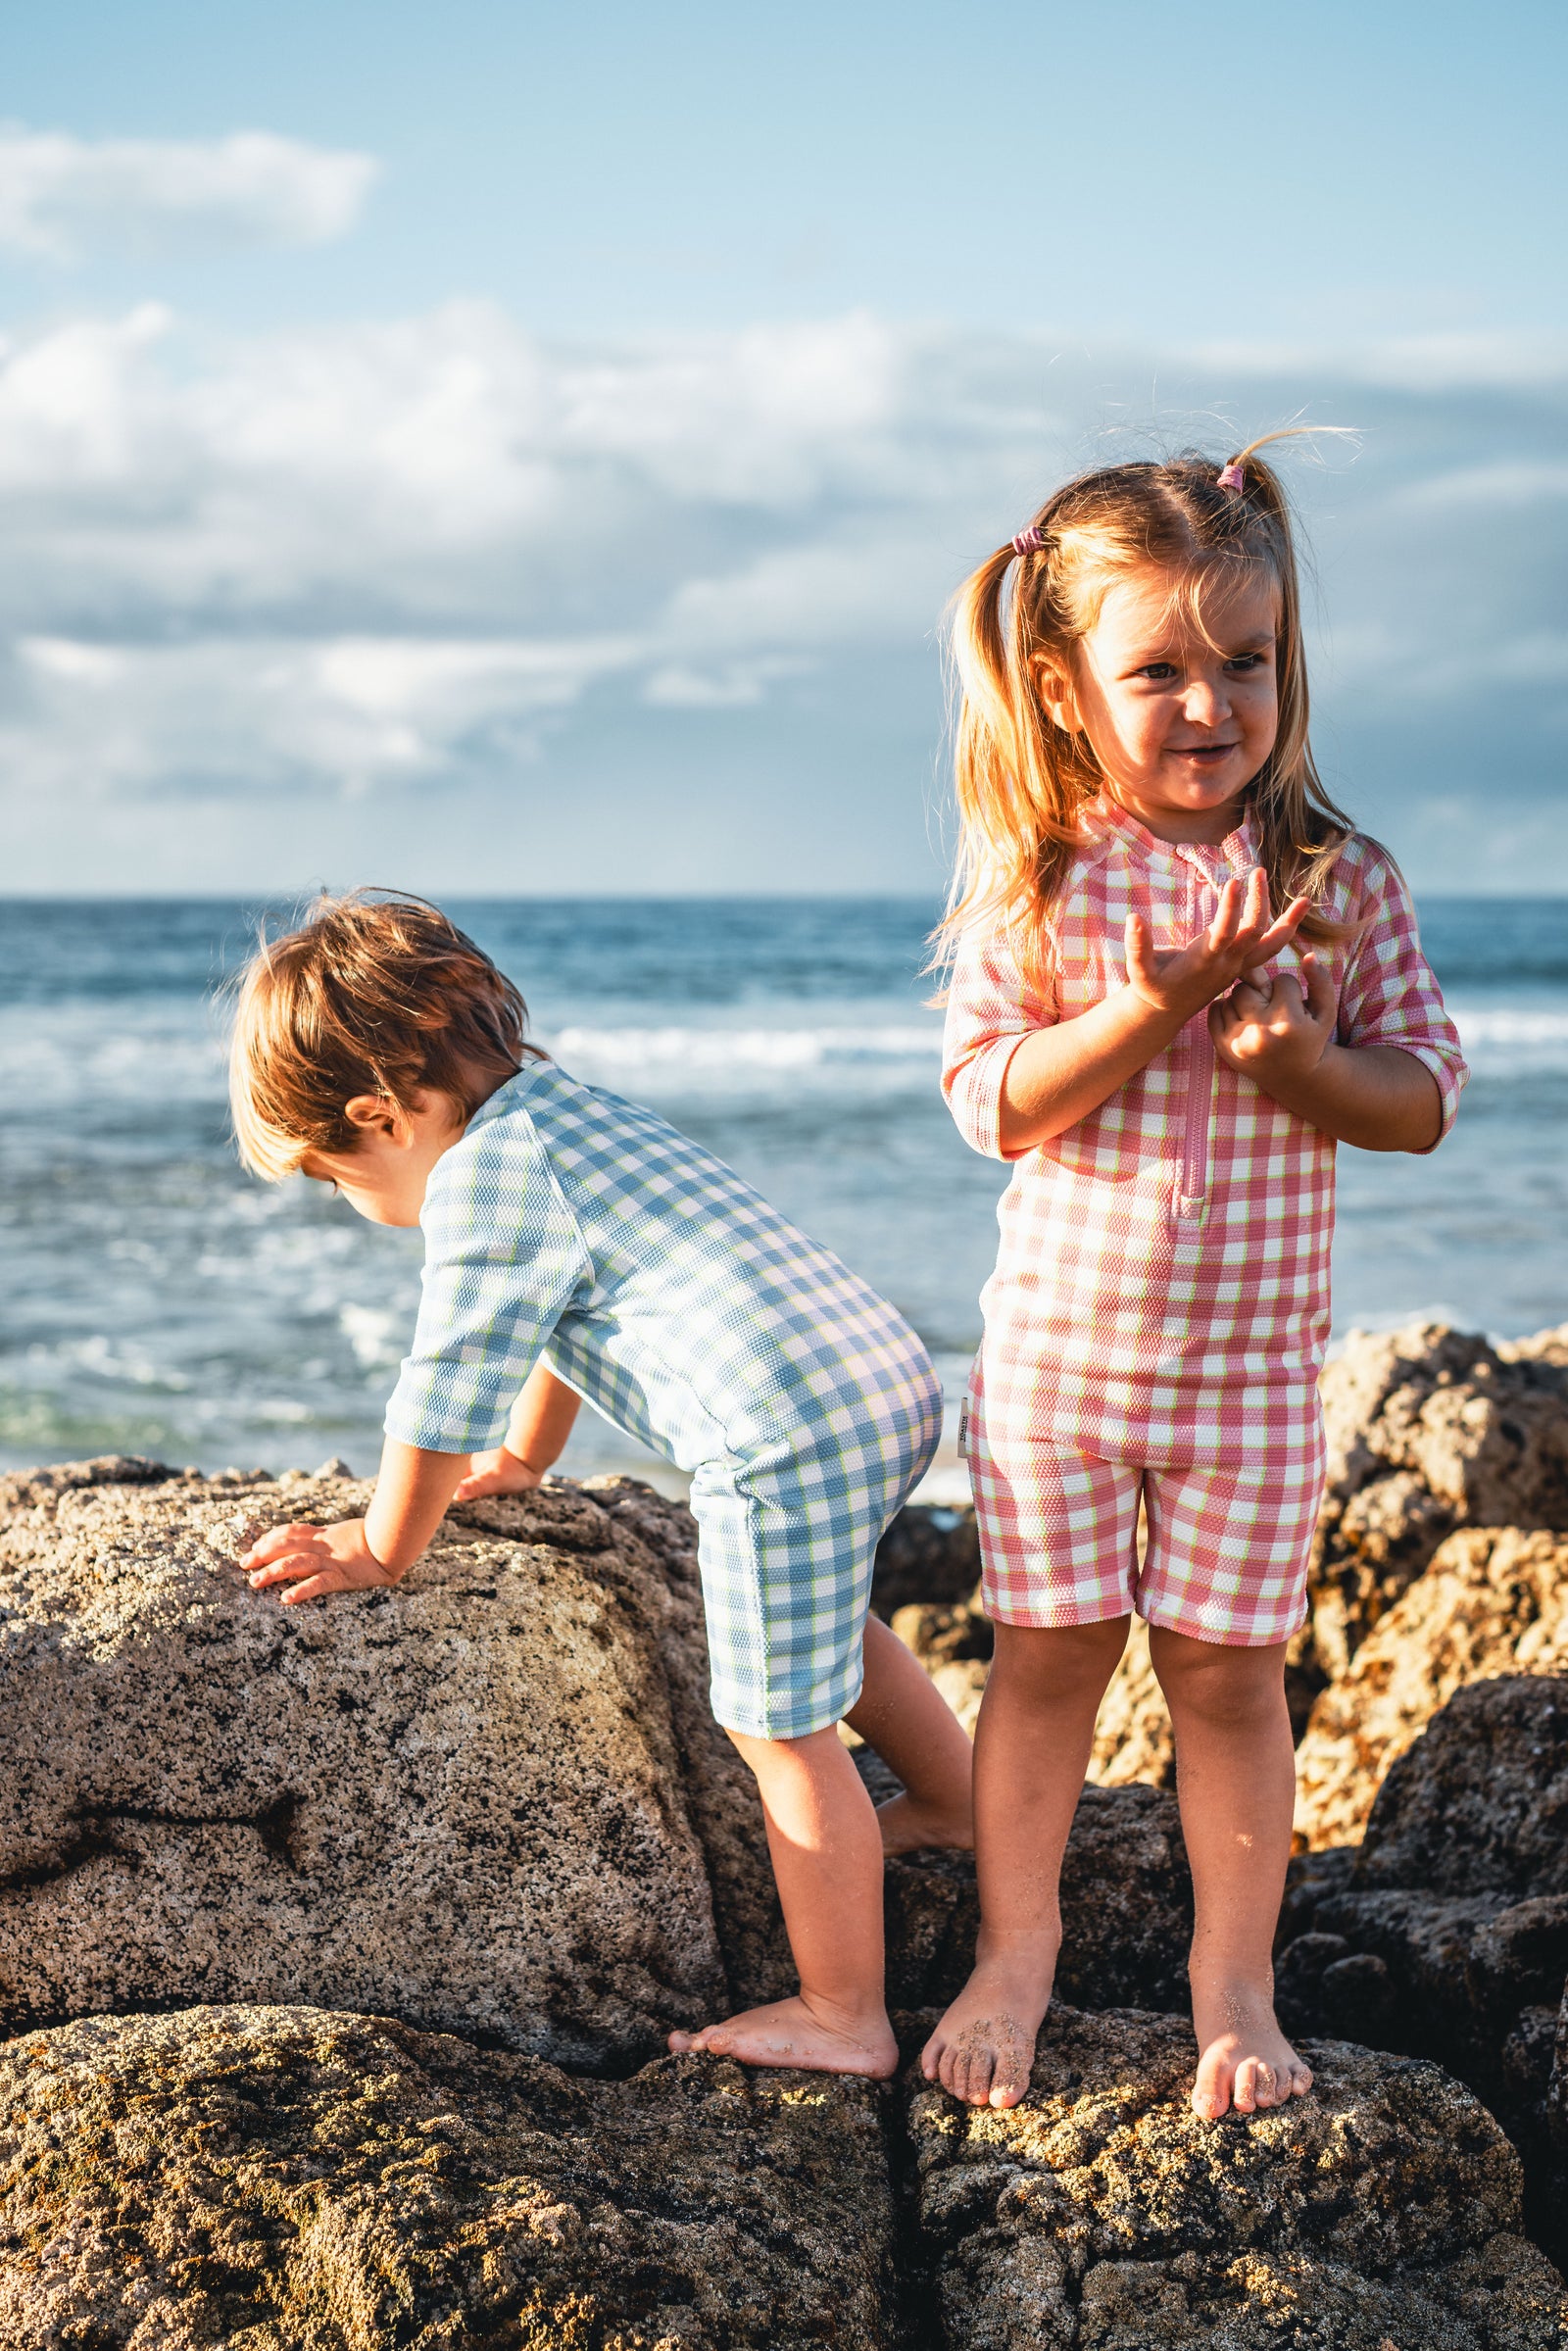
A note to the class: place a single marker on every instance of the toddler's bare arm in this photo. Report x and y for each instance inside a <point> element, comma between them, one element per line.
<point>542,1419</point>
<point>411,1497</point>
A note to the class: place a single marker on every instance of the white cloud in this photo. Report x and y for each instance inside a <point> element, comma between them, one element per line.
<point>62,197</point>
<point>427,550</point>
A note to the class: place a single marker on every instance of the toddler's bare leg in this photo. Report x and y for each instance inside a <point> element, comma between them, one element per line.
<point>1032,1746</point>
<point>827,1858</point>
<point>902,1713</point>
<point>1236,1778</point>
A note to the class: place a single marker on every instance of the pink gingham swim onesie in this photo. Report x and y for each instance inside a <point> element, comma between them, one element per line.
<point>1157,1316</point>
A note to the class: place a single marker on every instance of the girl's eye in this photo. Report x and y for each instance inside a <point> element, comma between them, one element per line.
<point>1159,671</point>
<point>1245,662</point>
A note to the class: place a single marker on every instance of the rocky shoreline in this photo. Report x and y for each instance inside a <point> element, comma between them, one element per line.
<point>339,1944</point>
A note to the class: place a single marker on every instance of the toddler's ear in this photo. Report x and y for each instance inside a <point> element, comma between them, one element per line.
<point>1055,689</point>
<point>375,1114</point>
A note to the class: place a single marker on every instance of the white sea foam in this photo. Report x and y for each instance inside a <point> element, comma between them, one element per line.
<point>1512,1038</point>
<point>740,1050</point>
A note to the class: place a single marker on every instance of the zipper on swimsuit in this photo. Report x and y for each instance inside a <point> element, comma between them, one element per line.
<point>1192,1186</point>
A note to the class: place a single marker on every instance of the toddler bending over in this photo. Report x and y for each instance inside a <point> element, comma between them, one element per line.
<point>576,1245</point>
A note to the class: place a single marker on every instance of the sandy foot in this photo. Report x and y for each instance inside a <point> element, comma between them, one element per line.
<point>909,1828</point>
<point>1244,2060</point>
<point>789,2032</point>
<point>984,2047</point>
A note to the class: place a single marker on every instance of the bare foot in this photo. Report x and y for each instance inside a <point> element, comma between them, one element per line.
<point>1244,2060</point>
<point>790,2033</point>
<point>911,1827</point>
<point>984,2048</point>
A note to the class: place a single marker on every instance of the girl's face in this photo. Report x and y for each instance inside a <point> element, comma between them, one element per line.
<point>1180,719</point>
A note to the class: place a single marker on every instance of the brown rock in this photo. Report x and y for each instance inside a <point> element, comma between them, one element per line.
<point>927,1555</point>
<point>1126,1906</point>
<point>292,2179</point>
<point>1480,1801</point>
<point>1428,1429</point>
<point>1493,1601</point>
<point>1133,1737</point>
<point>1100,2212</point>
<point>461,1800</point>
<point>953,1640</point>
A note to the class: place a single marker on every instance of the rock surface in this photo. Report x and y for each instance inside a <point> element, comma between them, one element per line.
<point>291,2179</point>
<point>462,1801</point>
<point>1100,2212</point>
<point>1428,1430</point>
<point>1493,1601</point>
<point>1126,1906</point>
<point>1446,1934</point>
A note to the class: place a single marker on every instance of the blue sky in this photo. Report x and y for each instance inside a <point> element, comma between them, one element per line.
<point>531,448</point>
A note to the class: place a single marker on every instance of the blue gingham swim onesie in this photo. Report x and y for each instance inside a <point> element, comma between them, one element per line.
<point>569,1224</point>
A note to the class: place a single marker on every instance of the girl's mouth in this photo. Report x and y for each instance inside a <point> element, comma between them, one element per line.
<point>1208,752</point>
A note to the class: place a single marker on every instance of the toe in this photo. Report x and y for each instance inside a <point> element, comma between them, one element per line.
<point>1300,2081</point>
<point>1008,2084</point>
<point>982,2067</point>
<point>931,2058</point>
<point>1211,2091</point>
<point>1249,2089</point>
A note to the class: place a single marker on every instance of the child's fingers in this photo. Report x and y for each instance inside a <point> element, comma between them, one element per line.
<point>1284,931</point>
<point>1322,1003</point>
<point>1228,916</point>
<point>298,1562</point>
<point>276,1542</point>
<point>1140,964</point>
<point>315,1588</point>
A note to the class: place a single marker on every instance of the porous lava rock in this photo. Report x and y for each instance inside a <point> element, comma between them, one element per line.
<point>1133,1737</point>
<point>276,2179</point>
<point>1446,1932</point>
<point>462,1801</point>
<point>1126,1909</point>
<point>1493,1601</point>
<point>1428,1429</point>
<point>1102,2214</point>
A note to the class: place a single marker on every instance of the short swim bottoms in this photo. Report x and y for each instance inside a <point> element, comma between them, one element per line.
<point>1229,1537</point>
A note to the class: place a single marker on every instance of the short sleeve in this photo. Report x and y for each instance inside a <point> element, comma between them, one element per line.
<point>1389,995</point>
<point>503,1260</point>
<point>991,1007</point>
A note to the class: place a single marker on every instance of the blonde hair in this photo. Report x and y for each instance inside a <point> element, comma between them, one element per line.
<point>1022,780</point>
<point>371,994</point>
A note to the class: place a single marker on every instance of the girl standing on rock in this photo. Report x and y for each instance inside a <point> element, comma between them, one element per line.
<point>1169,1064</point>
<point>576,1245</point>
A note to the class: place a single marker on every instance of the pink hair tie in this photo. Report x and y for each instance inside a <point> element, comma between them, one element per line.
<point>1030,541</point>
<point>1230,477</point>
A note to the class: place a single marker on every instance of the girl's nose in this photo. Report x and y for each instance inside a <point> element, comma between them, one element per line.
<point>1205,702</point>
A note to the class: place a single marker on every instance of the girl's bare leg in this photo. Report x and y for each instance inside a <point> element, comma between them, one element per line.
<point>1032,1747</point>
<point>902,1713</point>
<point>827,1858</point>
<point>1236,1778</point>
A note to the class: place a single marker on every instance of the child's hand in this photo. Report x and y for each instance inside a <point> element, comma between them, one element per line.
<point>313,1560</point>
<point>1276,1029</point>
<point>1241,935</point>
<point>498,1472</point>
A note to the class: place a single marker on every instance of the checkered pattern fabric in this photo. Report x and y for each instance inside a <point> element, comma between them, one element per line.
<point>573,1225</point>
<point>1162,1291</point>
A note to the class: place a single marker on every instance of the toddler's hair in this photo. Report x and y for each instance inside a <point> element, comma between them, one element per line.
<point>1022,780</point>
<point>371,994</point>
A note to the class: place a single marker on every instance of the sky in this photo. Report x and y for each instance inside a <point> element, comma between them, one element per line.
<point>524,449</point>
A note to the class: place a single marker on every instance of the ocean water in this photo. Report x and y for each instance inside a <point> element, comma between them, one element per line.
<point>155,1300</point>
